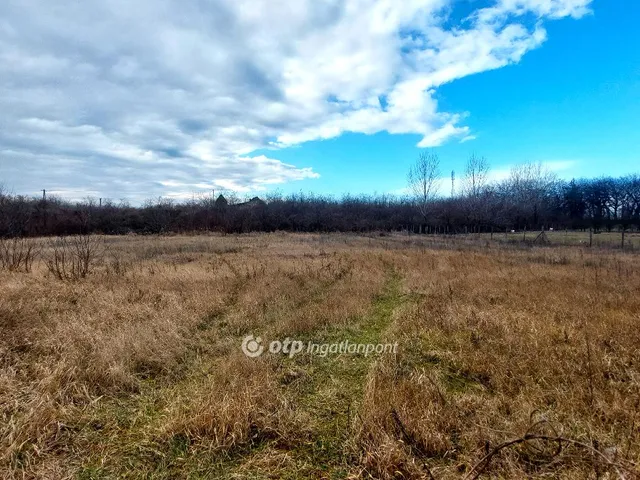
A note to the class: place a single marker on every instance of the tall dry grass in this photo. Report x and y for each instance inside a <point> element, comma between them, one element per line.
<point>149,310</point>
<point>135,370</point>
<point>495,344</point>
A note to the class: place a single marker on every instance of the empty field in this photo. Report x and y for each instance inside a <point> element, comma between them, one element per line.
<point>137,371</point>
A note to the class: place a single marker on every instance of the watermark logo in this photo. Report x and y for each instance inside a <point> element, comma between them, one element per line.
<point>252,347</point>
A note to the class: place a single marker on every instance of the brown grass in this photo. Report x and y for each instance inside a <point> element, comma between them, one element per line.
<point>136,372</point>
<point>496,342</point>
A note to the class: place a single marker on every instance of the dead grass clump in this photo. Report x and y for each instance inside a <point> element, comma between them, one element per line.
<point>406,422</point>
<point>117,266</point>
<point>236,405</point>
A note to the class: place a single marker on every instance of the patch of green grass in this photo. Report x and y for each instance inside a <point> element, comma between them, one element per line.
<point>118,436</point>
<point>329,391</point>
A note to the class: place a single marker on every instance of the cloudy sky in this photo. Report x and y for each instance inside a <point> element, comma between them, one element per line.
<point>137,99</point>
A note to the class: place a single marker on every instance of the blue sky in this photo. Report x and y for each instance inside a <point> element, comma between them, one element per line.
<point>176,99</point>
<point>572,103</point>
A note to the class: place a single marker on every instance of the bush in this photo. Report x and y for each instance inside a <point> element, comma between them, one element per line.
<point>18,254</point>
<point>72,258</point>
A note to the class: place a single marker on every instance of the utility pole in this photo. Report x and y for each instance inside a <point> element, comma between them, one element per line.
<point>453,182</point>
<point>44,209</point>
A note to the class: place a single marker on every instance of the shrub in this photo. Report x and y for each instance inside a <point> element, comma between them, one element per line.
<point>72,258</point>
<point>18,254</point>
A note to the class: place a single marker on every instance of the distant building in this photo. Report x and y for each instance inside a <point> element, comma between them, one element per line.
<point>254,202</point>
<point>221,202</point>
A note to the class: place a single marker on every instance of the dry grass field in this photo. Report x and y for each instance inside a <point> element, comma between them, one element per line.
<point>572,238</point>
<point>512,361</point>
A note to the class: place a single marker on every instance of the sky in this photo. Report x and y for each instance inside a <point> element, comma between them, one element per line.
<point>136,100</point>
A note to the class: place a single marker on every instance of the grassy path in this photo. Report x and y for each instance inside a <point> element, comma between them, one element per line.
<point>327,392</point>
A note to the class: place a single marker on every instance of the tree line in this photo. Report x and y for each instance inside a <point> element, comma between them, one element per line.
<point>530,198</point>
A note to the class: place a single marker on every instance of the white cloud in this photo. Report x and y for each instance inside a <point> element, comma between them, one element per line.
<point>541,8</point>
<point>157,97</point>
<point>559,166</point>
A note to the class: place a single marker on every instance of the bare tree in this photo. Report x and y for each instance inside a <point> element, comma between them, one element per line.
<point>476,175</point>
<point>531,185</point>
<point>424,180</point>
<point>158,214</point>
<point>531,176</point>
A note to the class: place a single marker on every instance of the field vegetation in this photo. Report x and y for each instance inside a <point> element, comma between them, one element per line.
<point>120,358</point>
